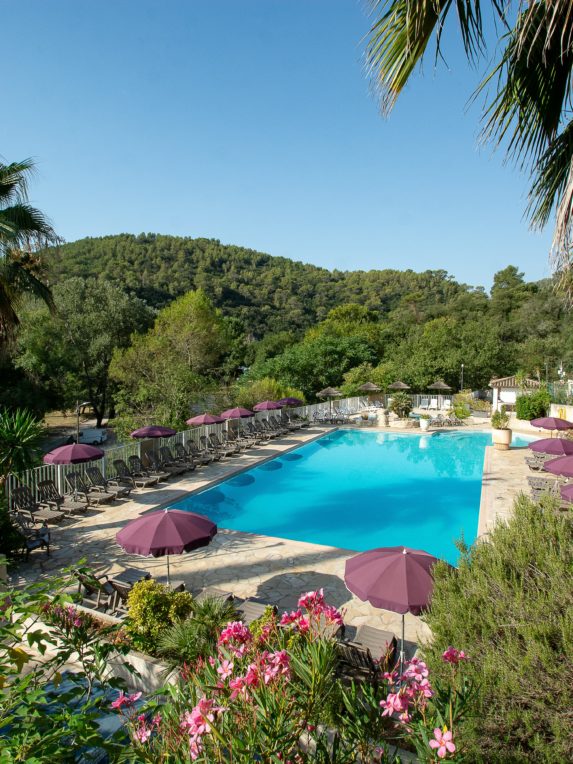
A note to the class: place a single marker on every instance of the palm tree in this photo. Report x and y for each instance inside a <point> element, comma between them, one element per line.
<point>531,85</point>
<point>20,437</point>
<point>23,230</point>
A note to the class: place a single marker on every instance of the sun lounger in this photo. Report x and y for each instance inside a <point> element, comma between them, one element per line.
<point>137,468</point>
<point>197,454</point>
<point>356,661</point>
<point>425,403</point>
<point>155,468</point>
<point>262,437</point>
<point>123,473</point>
<point>536,461</point>
<point>382,644</point>
<point>543,486</point>
<point>433,404</point>
<point>184,457</point>
<point>79,487</point>
<point>34,538</point>
<point>251,610</point>
<point>234,439</point>
<point>277,425</point>
<point>223,448</point>
<point>49,494</point>
<point>111,485</point>
<point>23,502</point>
<point>211,592</point>
<point>168,459</point>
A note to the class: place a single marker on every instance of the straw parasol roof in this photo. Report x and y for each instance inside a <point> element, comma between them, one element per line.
<point>329,392</point>
<point>398,386</point>
<point>369,387</point>
<point>439,384</point>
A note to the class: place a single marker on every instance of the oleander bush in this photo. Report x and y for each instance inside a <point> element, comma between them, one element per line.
<point>533,405</point>
<point>510,603</point>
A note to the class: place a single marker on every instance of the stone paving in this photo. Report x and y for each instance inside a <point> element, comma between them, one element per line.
<point>272,569</point>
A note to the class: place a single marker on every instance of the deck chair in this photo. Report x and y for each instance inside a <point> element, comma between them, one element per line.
<point>233,439</point>
<point>49,494</point>
<point>356,661</point>
<point>302,421</point>
<point>94,589</point>
<point>261,436</point>
<point>382,644</point>
<point>157,469</point>
<point>198,454</point>
<point>119,604</point>
<point>433,404</point>
<point>123,473</point>
<point>543,486</point>
<point>33,538</point>
<point>251,610</point>
<point>536,461</point>
<point>24,503</point>
<point>79,487</point>
<point>211,592</point>
<point>425,403</point>
<point>209,448</point>
<point>137,469</point>
<point>184,457</point>
<point>111,485</point>
<point>251,437</point>
<point>170,462</point>
<point>447,405</point>
<point>227,449</point>
<point>277,425</point>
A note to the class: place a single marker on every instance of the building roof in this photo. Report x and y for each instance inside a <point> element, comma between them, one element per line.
<point>511,382</point>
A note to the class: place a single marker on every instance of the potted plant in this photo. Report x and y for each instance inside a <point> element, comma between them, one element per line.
<point>424,421</point>
<point>501,433</point>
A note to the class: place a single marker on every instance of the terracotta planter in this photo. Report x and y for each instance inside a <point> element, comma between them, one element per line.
<point>501,439</point>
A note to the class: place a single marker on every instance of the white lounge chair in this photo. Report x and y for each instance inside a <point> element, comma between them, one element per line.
<point>447,405</point>
<point>425,403</point>
<point>434,404</point>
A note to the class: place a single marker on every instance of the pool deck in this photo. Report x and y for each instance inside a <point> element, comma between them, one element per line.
<point>275,570</point>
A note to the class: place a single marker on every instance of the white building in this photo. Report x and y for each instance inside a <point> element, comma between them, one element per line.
<point>506,390</point>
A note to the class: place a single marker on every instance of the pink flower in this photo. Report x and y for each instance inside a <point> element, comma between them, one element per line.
<point>236,636</point>
<point>311,599</point>
<point>125,700</point>
<point>395,703</point>
<point>225,670</point>
<point>332,615</point>
<point>443,742</point>
<point>453,656</point>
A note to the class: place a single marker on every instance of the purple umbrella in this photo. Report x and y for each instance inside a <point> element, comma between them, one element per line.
<point>557,446</point>
<point>290,402</point>
<point>551,423</point>
<point>563,465</point>
<point>236,413</point>
<point>165,532</point>
<point>267,406</point>
<point>394,578</point>
<point>567,492</point>
<point>153,431</point>
<point>75,453</point>
<point>203,419</point>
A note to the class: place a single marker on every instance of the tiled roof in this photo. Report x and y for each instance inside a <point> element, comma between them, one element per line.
<point>506,382</point>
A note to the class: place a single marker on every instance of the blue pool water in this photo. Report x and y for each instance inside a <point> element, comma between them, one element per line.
<point>358,490</point>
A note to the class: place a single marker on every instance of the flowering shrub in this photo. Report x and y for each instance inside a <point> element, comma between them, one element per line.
<point>273,694</point>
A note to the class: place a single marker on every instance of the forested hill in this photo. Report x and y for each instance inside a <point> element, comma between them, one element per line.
<point>269,294</point>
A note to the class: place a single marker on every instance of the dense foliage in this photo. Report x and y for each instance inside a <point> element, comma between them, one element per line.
<point>510,603</point>
<point>533,405</point>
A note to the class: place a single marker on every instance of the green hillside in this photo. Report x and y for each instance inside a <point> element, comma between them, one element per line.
<point>269,294</point>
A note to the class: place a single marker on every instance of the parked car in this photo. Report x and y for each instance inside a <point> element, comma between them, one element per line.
<point>93,436</point>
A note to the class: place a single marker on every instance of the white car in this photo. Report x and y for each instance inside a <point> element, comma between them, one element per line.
<point>94,436</point>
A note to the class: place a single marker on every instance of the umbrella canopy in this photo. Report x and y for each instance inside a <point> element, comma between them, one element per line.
<point>394,578</point>
<point>398,386</point>
<point>75,453</point>
<point>236,413</point>
<point>329,392</point>
<point>563,465</point>
<point>439,384</point>
<point>202,419</point>
<point>557,446</point>
<point>165,532</point>
<point>153,431</point>
<point>267,406</point>
<point>551,423</point>
<point>567,492</point>
<point>290,402</point>
<point>369,387</point>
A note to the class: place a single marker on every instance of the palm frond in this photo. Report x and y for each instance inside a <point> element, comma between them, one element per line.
<point>532,88</point>
<point>399,37</point>
<point>22,225</point>
<point>14,180</point>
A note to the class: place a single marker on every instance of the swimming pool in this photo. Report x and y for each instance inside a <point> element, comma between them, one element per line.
<point>359,490</point>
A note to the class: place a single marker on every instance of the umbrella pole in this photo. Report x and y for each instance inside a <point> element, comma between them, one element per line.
<point>168,579</point>
<point>402,648</point>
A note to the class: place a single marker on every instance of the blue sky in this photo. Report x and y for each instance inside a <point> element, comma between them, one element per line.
<point>252,122</point>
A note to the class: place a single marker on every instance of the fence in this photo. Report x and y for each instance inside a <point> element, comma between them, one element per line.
<point>58,472</point>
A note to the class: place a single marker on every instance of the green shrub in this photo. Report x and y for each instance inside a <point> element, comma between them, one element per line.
<point>500,419</point>
<point>401,405</point>
<point>153,607</point>
<point>534,405</point>
<point>461,410</point>
<point>196,637</point>
<point>509,604</point>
